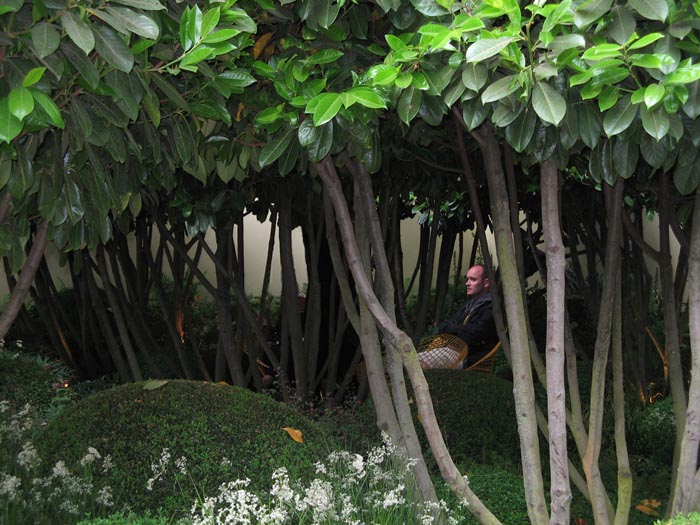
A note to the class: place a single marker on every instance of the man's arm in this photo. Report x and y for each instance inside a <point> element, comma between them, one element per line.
<point>479,330</point>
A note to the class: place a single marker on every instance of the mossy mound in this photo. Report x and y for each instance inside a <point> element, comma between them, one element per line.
<point>223,432</point>
<point>26,379</point>
<point>476,413</point>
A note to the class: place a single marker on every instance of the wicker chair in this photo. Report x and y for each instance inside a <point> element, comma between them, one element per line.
<point>454,343</point>
<point>447,341</point>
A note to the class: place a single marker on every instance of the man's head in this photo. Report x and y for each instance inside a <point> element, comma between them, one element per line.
<point>477,281</point>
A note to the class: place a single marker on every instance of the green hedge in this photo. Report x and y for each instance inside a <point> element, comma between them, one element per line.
<point>224,432</point>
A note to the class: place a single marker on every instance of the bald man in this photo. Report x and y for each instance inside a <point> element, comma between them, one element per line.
<point>473,323</point>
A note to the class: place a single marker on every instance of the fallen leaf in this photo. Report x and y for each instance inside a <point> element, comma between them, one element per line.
<point>654,504</point>
<point>647,510</point>
<point>294,434</point>
<point>261,44</point>
<point>579,521</point>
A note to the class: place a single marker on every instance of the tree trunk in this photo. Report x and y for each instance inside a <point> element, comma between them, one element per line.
<point>400,341</point>
<point>686,496</point>
<point>555,355</point>
<point>523,389</point>
<point>31,265</point>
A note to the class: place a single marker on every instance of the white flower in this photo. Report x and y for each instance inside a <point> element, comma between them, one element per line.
<point>280,486</point>
<point>28,456</point>
<point>319,496</point>
<point>225,463</point>
<point>9,486</point>
<point>60,470</point>
<point>107,463</point>
<point>181,465</point>
<point>4,406</point>
<point>104,497</point>
<point>394,498</point>
<point>358,463</point>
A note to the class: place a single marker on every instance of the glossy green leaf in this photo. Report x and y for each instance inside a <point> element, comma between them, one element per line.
<point>590,11</point>
<point>72,197</point>
<point>520,131</point>
<point>589,126</point>
<point>325,56</point>
<point>655,122</point>
<point>21,102</point>
<point>691,106</point>
<point>10,126</point>
<point>684,75</point>
<point>602,52</point>
<point>454,93</point>
<point>409,104</point>
<point>608,98</point>
<point>653,94</point>
<point>487,47</point>
<point>45,39</point>
<point>10,6</point>
<point>619,118</point>
<point>326,13</point>
<point>169,91</point>
<point>500,88</point>
<point>429,7</point>
<point>645,41</point>
<point>687,178</point>
<point>623,24</point>
<point>146,5</point>
<point>327,106</point>
<point>474,76</point>
<point>556,15</point>
<point>275,147</point>
<point>82,64</point>
<point>33,76</point>
<point>625,158</point>
<point>210,19</point>
<point>220,36</point>
<point>49,107</point>
<point>367,97</point>
<point>288,159</point>
<point>196,55</point>
<point>563,43</point>
<point>651,61</point>
<point>319,148</point>
<point>651,9</point>
<point>134,21</point>
<point>269,115</point>
<point>549,105</point>
<point>112,48</point>
<point>653,151</point>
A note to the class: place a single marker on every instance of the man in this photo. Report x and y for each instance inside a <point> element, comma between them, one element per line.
<point>473,323</point>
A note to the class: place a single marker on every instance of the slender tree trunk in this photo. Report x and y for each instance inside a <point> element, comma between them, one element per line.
<point>624,473</point>
<point>602,512</point>
<point>21,290</point>
<point>686,495</point>
<point>523,389</point>
<point>403,344</point>
<point>556,306</point>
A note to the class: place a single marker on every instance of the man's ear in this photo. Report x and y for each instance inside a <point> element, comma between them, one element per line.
<point>487,284</point>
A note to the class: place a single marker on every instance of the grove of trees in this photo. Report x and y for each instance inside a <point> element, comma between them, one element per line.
<point>130,128</point>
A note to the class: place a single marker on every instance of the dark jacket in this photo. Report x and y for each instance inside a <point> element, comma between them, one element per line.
<point>474,324</point>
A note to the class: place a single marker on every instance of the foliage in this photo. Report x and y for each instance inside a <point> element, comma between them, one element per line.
<point>476,413</point>
<point>653,431</point>
<point>682,519</point>
<point>224,432</point>
<point>121,518</point>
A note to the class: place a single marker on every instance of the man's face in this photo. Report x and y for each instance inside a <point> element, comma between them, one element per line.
<point>477,283</point>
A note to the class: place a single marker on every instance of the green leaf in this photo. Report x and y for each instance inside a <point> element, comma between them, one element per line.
<point>487,47</point>
<point>33,76</point>
<point>307,133</point>
<point>275,147</point>
<point>409,104</point>
<point>655,122</point>
<point>10,126</point>
<point>326,12</point>
<point>520,131</point>
<point>429,8</point>
<point>625,158</point>
<point>474,76</point>
<point>549,105</point>
<point>556,15</point>
<point>607,98</point>
<point>590,11</point>
<point>318,149</point>
<point>81,115</point>
<point>367,97</point>
<point>653,151</point>
<point>326,106</point>
<point>687,178</point>
<point>619,118</point>
<point>135,22</point>
<point>499,89</point>
<point>653,94</point>
<point>81,63</point>
<point>72,196</point>
<point>49,106</point>
<point>325,56</point>
<point>565,42</point>
<point>651,9</point>
<point>21,102</point>
<point>45,39</point>
<point>684,75</point>
<point>112,48</point>
<point>645,41</point>
<point>651,61</point>
<point>196,55</point>
<point>78,31</point>
<point>602,51</point>
<point>220,36</point>
<point>589,126</point>
<point>269,115</point>
<point>210,20</point>
<point>691,106</point>
<point>146,5</point>
<point>623,24</point>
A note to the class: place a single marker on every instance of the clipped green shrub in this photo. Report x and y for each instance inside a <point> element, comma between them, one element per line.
<point>653,431</point>
<point>501,490</point>
<point>127,519</point>
<point>476,413</point>
<point>223,433</point>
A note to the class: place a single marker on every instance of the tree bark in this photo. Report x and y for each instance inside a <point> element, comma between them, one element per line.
<point>686,496</point>
<point>555,355</point>
<point>523,389</point>
<point>31,265</point>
